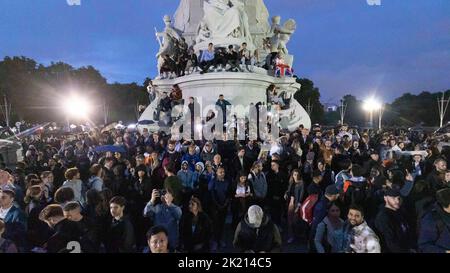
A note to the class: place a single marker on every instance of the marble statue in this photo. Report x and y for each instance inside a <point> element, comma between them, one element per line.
<point>203,33</point>
<point>227,18</point>
<point>280,35</point>
<point>258,15</point>
<point>168,44</point>
<point>182,16</point>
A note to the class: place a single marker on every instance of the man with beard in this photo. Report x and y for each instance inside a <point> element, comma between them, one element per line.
<point>356,236</point>
<point>171,155</point>
<point>392,226</point>
<point>436,178</point>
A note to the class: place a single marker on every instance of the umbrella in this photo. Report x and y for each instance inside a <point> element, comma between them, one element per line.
<point>110,148</point>
<point>109,127</point>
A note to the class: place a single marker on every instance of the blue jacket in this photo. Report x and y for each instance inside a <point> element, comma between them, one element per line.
<point>187,178</point>
<point>319,213</point>
<point>434,237</point>
<point>15,226</point>
<point>167,216</point>
<point>191,159</point>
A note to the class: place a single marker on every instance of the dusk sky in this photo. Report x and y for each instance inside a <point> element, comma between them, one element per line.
<point>344,46</point>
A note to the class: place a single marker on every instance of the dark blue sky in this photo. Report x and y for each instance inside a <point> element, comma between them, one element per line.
<point>344,46</point>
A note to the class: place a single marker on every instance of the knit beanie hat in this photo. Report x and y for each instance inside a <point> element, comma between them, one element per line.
<point>255,216</point>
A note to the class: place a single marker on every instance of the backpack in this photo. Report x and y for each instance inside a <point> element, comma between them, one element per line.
<point>355,193</point>
<point>307,208</point>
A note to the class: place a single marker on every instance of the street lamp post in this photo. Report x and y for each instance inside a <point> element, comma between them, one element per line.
<point>442,107</point>
<point>370,105</point>
<point>380,116</point>
<point>342,111</point>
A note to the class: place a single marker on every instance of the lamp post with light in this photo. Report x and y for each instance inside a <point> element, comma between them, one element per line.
<point>370,105</point>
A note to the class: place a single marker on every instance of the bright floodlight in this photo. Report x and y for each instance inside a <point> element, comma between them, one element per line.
<point>77,107</point>
<point>371,105</point>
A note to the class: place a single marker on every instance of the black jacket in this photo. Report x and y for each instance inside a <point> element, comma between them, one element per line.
<point>197,240</point>
<point>277,185</point>
<point>266,238</point>
<point>120,236</point>
<point>65,231</point>
<point>435,181</point>
<point>394,231</point>
<point>237,166</point>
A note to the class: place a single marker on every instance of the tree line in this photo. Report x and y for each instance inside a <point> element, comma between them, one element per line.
<point>35,93</point>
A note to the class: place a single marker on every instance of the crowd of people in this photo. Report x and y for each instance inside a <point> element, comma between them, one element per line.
<point>336,190</point>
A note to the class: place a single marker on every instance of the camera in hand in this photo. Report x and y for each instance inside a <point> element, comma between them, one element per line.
<point>162,192</point>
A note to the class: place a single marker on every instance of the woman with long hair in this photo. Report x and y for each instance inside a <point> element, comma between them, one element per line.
<point>195,228</point>
<point>242,194</point>
<point>294,196</point>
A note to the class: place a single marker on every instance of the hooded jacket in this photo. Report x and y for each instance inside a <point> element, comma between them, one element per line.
<point>265,238</point>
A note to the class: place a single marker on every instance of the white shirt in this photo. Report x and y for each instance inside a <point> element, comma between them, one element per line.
<point>4,212</point>
<point>242,190</point>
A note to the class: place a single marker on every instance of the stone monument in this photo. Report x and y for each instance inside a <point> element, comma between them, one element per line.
<point>227,23</point>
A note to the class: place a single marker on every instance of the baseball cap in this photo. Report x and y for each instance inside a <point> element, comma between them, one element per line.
<point>331,190</point>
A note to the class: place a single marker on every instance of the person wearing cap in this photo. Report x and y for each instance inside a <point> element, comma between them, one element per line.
<point>391,224</point>
<point>13,217</point>
<point>320,210</point>
<point>374,161</point>
<point>434,231</point>
<point>256,233</point>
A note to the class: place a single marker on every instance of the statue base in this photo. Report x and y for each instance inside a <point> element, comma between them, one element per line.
<point>241,89</point>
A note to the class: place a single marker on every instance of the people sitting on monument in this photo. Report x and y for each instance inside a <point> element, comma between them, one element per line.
<point>168,67</point>
<point>207,58</point>
<point>233,59</point>
<point>246,57</point>
<point>181,57</point>
<point>164,106</point>
<point>192,61</point>
<point>220,60</point>
<point>176,95</point>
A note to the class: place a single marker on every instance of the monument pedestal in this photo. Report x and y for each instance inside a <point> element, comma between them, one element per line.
<point>239,88</point>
